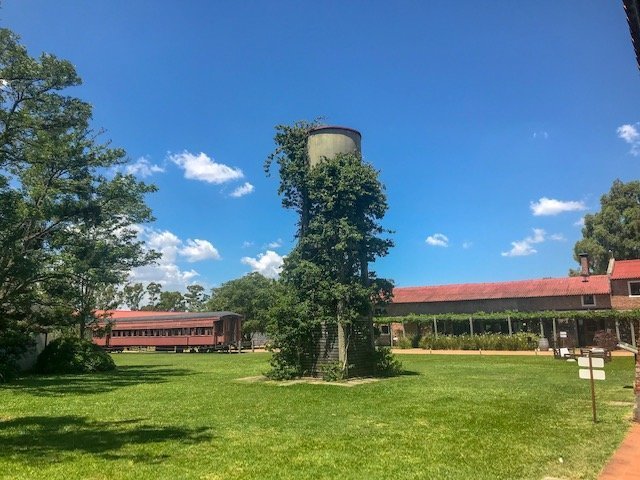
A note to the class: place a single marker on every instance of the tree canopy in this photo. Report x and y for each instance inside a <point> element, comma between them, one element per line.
<point>251,296</point>
<point>614,230</point>
<point>66,219</point>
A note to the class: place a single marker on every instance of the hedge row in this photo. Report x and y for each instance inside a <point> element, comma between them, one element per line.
<point>485,341</point>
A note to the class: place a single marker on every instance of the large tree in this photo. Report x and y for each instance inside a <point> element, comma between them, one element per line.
<point>326,279</point>
<point>614,231</point>
<point>251,296</point>
<point>54,197</point>
<point>195,298</point>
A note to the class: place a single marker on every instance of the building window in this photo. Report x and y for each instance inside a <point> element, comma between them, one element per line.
<point>588,300</point>
<point>634,289</point>
<point>384,329</point>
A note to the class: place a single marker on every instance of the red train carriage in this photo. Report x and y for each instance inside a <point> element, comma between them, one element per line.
<point>170,330</point>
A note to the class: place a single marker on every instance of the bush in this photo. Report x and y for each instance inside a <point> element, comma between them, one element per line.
<point>332,372</point>
<point>282,368</point>
<point>485,341</point>
<point>604,339</point>
<point>73,355</point>
<point>386,363</point>
<point>405,342</point>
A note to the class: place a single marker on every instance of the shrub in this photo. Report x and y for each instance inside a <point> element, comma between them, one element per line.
<point>405,342</point>
<point>73,355</point>
<point>604,339</point>
<point>282,368</point>
<point>332,372</point>
<point>386,363</point>
<point>484,341</point>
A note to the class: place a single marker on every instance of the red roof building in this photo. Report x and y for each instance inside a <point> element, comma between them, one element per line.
<point>619,289</point>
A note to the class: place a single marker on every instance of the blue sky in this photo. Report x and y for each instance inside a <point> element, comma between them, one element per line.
<point>495,125</point>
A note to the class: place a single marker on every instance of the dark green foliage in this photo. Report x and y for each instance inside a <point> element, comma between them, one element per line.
<point>73,355</point>
<point>614,230</point>
<point>332,372</point>
<point>325,279</point>
<point>251,296</point>
<point>67,234</point>
<point>386,363</point>
<point>283,368</point>
<point>170,301</point>
<point>484,341</point>
<point>195,298</point>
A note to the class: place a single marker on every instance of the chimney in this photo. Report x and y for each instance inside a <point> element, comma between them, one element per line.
<point>584,266</point>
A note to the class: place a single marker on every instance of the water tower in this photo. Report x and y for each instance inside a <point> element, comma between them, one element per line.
<point>348,344</point>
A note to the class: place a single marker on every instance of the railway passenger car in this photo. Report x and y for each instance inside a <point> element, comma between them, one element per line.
<point>177,331</point>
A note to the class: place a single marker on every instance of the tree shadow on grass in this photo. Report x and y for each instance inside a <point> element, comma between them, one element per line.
<point>87,384</point>
<point>40,440</point>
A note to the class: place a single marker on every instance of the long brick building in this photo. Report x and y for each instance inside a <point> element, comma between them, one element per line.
<point>619,289</point>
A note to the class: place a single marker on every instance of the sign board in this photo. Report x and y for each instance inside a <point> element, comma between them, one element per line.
<point>595,362</point>
<point>597,374</point>
<point>563,334</point>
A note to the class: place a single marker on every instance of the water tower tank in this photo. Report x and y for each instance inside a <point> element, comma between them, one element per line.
<point>328,141</point>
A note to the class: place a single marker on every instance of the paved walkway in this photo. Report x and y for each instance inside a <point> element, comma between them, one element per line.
<point>625,463</point>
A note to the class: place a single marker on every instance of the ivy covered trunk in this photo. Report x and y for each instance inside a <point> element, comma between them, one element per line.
<point>327,322</point>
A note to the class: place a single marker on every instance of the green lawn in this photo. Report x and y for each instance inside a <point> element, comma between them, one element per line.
<point>187,417</point>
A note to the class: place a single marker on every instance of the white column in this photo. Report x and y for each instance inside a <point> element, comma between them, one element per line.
<point>435,327</point>
<point>633,332</point>
<point>509,322</point>
<point>471,325</point>
<point>618,330</point>
<point>555,334</point>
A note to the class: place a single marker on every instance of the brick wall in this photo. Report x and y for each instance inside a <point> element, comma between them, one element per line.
<point>620,299</point>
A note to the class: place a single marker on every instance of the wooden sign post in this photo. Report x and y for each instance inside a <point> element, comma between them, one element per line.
<point>591,375</point>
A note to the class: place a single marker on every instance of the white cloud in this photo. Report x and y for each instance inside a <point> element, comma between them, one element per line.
<point>243,190</point>
<point>166,270</point>
<point>551,206</point>
<point>467,245</point>
<point>201,167</point>
<point>247,244</point>
<point>525,247</point>
<point>165,242</point>
<point>268,264</point>
<point>198,250</point>
<point>631,135</point>
<point>437,240</point>
<point>143,168</point>
<point>541,134</point>
<point>276,244</point>
<point>579,223</point>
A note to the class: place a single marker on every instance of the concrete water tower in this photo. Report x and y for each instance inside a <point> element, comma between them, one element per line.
<point>352,344</point>
<point>329,141</point>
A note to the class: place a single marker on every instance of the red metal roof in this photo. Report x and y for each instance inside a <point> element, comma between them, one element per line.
<point>545,287</point>
<point>623,269</point>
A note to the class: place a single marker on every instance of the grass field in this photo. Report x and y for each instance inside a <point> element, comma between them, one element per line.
<point>168,416</point>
